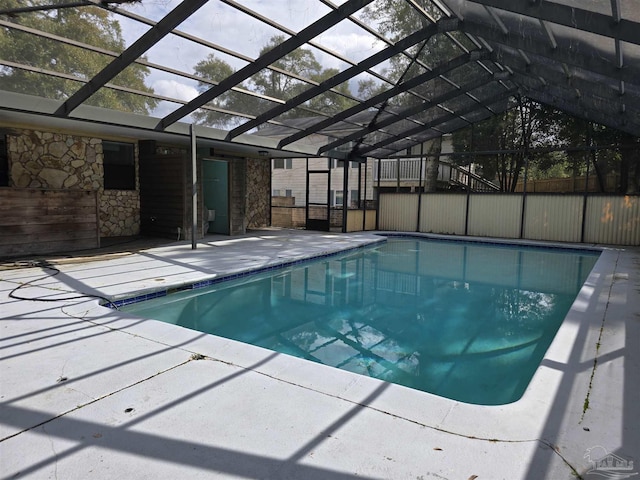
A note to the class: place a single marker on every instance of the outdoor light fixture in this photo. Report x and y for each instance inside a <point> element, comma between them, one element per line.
<point>263,153</point>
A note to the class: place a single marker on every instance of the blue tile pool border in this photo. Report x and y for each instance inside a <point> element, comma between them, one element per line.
<point>233,276</point>
<point>115,304</point>
<point>507,242</point>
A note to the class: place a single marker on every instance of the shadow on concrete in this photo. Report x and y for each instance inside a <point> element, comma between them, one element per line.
<point>187,453</point>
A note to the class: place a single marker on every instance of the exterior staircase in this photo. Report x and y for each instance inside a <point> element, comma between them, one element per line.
<point>405,172</point>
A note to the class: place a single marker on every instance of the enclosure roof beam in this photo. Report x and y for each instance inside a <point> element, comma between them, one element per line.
<point>433,103</point>
<point>581,82</point>
<point>588,101</point>
<point>126,58</point>
<point>576,110</point>
<point>422,35</point>
<point>273,55</point>
<point>382,97</point>
<point>57,6</point>
<point>434,123</point>
<point>594,63</point>
<point>573,17</point>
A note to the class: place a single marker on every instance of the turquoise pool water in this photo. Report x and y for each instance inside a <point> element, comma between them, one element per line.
<point>466,321</point>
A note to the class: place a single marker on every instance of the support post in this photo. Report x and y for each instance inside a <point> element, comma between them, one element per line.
<point>194,187</point>
<point>526,145</point>
<point>378,195</point>
<point>362,193</point>
<point>345,193</point>
<point>586,189</point>
<point>420,187</point>
<point>468,199</point>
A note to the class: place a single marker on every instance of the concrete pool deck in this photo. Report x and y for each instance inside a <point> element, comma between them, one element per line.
<point>89,392</point>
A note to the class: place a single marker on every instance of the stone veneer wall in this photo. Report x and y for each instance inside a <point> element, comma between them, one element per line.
<point>238,191</point>
<point>54,160</point>
<point>119,213</point>
<point>61,161</point>
<point>258,197</point>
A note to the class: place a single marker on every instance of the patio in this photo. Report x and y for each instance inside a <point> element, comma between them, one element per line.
<point>89,392</point>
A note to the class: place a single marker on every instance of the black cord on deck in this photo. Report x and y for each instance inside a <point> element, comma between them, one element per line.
<point>46,266</point>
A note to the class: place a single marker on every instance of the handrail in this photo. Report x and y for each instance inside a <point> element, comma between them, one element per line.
<point>453,174</point>
<point>477,183</point>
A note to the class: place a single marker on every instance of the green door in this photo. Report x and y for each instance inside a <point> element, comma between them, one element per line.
<point>215,190</point>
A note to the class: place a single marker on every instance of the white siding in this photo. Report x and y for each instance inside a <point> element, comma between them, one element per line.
<point>295,179</point>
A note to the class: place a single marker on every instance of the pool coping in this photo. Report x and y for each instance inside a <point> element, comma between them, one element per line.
<point>150,293</point>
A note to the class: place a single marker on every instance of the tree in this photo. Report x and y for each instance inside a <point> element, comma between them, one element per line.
<point>514,133</point>
<point>91,25</point>
<point>269,83</point>
<point>215,69</point>
<point>329,102</point>
<point>396,19</point>
<point>301,62</point>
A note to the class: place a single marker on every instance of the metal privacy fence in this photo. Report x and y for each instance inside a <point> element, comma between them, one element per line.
<point>604,219</point>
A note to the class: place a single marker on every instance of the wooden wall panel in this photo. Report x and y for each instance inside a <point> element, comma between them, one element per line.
<point>39,221</point>
<point>163,180</point>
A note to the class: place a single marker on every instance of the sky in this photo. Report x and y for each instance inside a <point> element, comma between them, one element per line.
<point>224,25</point>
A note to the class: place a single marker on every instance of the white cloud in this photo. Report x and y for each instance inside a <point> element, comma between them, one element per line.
<point>174,89</point>
<point>353,46</point>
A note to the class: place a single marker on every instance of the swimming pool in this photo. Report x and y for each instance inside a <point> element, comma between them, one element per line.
<point>467,321</point>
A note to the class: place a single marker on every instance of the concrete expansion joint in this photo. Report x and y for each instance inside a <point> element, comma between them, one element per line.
<point>556,450</point>
<point>53,450</point>
<point>585,405</point>
<point>93,400</point>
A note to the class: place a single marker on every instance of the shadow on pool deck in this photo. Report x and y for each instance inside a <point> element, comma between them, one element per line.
<point>89,392</point>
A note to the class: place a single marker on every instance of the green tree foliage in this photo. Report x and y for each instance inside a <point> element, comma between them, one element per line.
<point>215,70</point>
<point>270,83</point>
<point>330,103</point>
<point>616,169</point>
<point>300,62</point>
<point>91,25</point>
<point>514,132</point>
<point>396,19</point>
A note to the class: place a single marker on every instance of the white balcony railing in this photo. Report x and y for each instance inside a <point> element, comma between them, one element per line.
<point>409,171</point>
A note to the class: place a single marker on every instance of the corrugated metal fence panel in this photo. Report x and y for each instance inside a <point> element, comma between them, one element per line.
<point>553,217</point>
<point>443,213</point>
<point>355,218</point>
<point>370,220</point>
<point>613,220</point>
<point>495,215</point>
<point>398,211</point>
